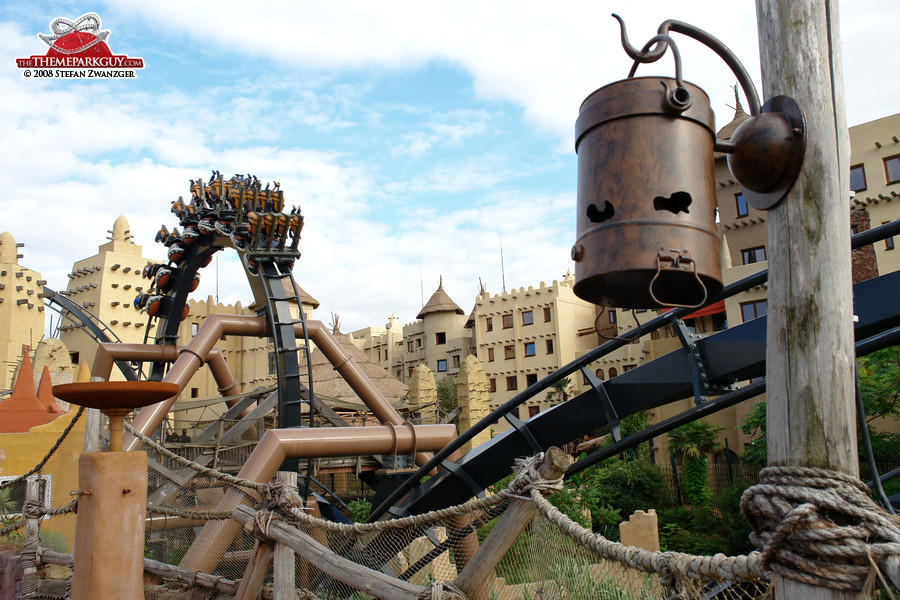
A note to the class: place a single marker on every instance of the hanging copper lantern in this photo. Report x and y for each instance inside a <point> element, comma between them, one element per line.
<point>646,230</point>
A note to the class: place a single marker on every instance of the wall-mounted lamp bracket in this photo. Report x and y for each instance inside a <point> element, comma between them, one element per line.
<point>768,152</point>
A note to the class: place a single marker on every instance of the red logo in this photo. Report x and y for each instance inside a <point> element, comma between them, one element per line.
<point>78,49</point>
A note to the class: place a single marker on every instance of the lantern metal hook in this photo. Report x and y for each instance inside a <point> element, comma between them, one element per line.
<point>766,151</point>
<point>649,55</point>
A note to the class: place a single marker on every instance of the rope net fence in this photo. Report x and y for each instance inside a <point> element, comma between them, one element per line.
<point>195,549</point>
<point>547,560</point>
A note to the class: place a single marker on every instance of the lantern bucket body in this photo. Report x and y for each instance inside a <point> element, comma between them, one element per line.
<point>646,231</point>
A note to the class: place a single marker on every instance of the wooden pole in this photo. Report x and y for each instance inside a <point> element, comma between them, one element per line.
<point>810,354</point>
<point>285,561</point>
<point>251,584</point>
<point>508,528</point>
<point>32,533</point>
<point>368,581</point>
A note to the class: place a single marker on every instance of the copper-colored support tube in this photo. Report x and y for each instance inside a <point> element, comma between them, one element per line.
<point>189,359</point>
<point>186,361</point>
<point>355,377</point>
<point>276,445</point>
<point>351,372</point>
<point>279,444</point>
<point>107,353</point>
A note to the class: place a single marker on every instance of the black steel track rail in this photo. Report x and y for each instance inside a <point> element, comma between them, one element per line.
<point>735,354</point>
<point>196,255</point>
<point>92,326</point>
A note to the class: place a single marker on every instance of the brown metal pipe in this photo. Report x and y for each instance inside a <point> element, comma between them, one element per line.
<point>279,444</point>
<point>217,325</point>
<point>355,377</point>
<point>109,352</point>
<point>227,385</point>
<point>190,358</point>
<point>351,372</point>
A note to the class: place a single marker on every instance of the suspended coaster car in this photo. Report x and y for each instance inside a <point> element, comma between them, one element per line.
<point>190,234</point>
<point>207,223</point>
<point>176,253</point>
<point>163,278</point>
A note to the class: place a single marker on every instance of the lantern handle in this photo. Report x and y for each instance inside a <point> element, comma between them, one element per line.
<point>648,55</point>
<point>676,258</point>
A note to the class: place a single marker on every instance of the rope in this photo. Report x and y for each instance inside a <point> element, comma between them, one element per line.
<point>47,456</point>
<point>819,527</point>
<point>34,510</point>
<point>188,514</point>
<point>441,591</point>
<point>31,579</point>
<point>54,512</point>
<point>215,474</point>
<point>281,497</point>
<point>18,523</point>
<point>671,566</point>
<point>527,480</point>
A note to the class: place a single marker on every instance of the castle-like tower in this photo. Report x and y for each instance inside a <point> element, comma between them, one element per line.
<point>105,285</point>
<point>21,308</point>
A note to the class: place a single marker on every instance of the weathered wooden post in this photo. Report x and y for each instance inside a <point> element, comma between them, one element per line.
<point>285,562</point>
<point>810,355</point>
<point>32,535</point>
<point>515,519</point>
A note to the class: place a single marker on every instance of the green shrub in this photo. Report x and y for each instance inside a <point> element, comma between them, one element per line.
<point>736,531</point>
<point>627,486</point>
<point>694,531</point>
<point>360,510</point>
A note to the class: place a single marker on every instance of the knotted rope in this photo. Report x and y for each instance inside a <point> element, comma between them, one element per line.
<point>529,481</point>
<point>441,591</point>
<point>34,510</point>
<point>820,527</point>
<point>279,502</point>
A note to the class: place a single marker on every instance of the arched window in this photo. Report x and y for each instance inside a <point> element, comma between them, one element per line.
<point>724,456</point>
<point>612,372</point>
<point>599,373</point>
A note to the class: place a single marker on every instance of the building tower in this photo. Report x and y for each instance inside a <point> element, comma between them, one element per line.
<point>21,308</point>
<point>105,285</point>
<point>439,338</point>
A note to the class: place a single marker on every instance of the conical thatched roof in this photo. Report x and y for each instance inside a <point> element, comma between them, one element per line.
<point>328,383</point>
<point>470,322</point>
<point>440,302</point>
<point>739,117</point>
<point>305,298</point>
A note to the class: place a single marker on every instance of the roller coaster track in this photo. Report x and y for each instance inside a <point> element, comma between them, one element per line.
<point>704,365</point>
<point>239,214</point>
<point>87,322</point>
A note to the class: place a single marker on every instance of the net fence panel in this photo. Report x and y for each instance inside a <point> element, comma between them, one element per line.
<point>543,562</point>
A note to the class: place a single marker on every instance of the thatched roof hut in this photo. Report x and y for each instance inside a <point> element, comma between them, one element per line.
<point>329,385</point>
<point>440,302</point>
<point>305,298</point>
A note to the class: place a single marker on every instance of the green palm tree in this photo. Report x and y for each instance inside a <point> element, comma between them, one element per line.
<point>560,390</point>
<point>694,442</point>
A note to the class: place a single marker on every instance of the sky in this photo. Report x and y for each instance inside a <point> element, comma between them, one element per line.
<point>420,139</point>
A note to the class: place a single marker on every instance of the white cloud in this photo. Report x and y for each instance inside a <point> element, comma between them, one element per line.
<point>76,156</point>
